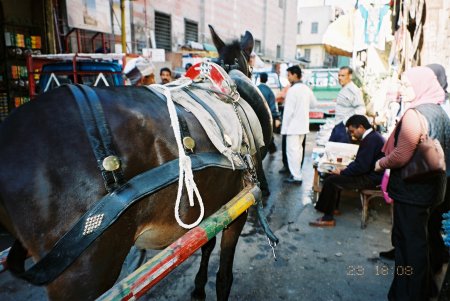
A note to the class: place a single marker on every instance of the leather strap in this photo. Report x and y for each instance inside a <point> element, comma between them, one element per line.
<point>98,132</point>
<point>183,124</point>
<point>104,213</point>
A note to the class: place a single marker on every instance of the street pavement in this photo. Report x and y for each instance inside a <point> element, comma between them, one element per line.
<point>339,263</point>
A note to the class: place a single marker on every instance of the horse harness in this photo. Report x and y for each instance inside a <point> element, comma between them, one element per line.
<point>121,194</point>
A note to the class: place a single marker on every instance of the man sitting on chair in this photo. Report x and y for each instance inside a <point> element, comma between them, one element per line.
<point>359,174</point>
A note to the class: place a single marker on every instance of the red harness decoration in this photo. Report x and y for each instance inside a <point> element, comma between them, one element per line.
<point>218,77</point>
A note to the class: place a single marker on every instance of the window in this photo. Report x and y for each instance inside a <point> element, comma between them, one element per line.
<point>257,48</point>
<point>307,53</point>
<point>299,27</point>
<point>190,31</point>
<point>163,31</point>
<point>314,27</point>
<point>278,51</point>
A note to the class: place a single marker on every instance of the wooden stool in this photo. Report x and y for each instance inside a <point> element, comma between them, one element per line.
<point>317,185</point>
<point>366,195</point>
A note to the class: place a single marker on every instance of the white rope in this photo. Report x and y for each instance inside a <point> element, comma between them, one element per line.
<point>185,161</point>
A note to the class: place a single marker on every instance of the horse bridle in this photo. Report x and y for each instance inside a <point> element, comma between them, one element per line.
<point>245,59</point>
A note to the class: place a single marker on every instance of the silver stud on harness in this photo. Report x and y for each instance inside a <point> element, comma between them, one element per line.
<point>92,223</point>
<point>111,163</point>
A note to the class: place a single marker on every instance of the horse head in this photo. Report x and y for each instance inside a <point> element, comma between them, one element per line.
<point>235,55</point>
<point>234,58</point>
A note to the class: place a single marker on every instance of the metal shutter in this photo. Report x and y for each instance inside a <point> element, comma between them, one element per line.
<point>190,31</point>
<point>163,30</point>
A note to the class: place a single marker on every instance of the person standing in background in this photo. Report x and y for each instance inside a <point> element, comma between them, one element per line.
<point>439,251</point>
<point>166,75</point>
<point>270,98</point>
<point>349,102</point>
<point>280,98</point>
<point>299,99</point>
<point>439,71</point>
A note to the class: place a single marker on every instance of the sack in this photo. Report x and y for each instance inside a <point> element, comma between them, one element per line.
<point>384,184</point>
<point>428,158</point>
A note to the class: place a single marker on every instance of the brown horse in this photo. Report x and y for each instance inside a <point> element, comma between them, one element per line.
<point>49,178</point>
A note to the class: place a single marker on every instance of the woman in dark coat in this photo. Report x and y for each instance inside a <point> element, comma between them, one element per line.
<point>415,202</point>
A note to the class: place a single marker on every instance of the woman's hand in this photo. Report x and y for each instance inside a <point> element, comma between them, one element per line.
<point>378,167</point>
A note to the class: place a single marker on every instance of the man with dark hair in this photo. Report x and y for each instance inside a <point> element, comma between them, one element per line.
<point>359,174</point>
<point>166,75</point>
<point>299,100</point>
<point>349,101</point>
<point>270,98</point>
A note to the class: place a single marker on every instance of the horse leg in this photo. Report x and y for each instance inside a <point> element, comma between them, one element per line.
<point>228,244</point>
<point>202,275</point>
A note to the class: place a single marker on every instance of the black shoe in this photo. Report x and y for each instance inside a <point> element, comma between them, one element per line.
<point>284,170</point>
<point>388,254</point>
<point>291,180</point>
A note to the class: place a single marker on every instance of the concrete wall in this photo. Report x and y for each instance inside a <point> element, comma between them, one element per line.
<point>265,19</point>
<point>323,15</point>
<point>436,48</point>
<point>317,56</point>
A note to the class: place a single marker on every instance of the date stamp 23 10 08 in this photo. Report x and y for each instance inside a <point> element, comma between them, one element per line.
<point>379,270</point>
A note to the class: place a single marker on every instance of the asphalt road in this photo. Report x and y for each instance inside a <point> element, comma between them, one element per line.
<point>338,263</point>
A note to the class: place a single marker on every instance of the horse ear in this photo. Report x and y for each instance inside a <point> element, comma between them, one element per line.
<point>247,43</point>
<point>216,39</point>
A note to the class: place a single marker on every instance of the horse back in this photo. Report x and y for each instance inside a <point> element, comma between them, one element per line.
<point>49,174</point>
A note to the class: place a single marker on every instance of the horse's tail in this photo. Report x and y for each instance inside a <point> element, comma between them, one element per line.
<point>255,99</point>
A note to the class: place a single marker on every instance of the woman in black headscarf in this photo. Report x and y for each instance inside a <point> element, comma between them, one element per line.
<point>439,252</point>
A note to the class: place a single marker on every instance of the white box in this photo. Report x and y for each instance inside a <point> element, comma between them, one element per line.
<point>154,54</point>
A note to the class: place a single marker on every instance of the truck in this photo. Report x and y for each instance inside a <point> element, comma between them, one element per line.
<point>47,72</point>
<point>325,86</point>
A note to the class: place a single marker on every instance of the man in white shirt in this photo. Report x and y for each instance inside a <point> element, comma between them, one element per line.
<point>348,103</point>
<point>295,125</point>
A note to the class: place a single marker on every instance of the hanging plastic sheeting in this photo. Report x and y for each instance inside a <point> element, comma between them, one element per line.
<point>368,25</point>
<point>372,24</point>
<point>338,38</point>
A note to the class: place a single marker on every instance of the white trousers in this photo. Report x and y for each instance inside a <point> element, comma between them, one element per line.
<point>294,152</point>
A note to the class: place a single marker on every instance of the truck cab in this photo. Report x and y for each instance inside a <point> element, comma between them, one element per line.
<point>47,72</point>
<point>325,86</point>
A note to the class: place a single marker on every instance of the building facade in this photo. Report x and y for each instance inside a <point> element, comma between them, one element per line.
<point>176,23</point>
<point>312,23</point>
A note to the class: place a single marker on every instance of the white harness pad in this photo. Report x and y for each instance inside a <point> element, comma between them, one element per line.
<point>237,122</point>
<point>226,114</point>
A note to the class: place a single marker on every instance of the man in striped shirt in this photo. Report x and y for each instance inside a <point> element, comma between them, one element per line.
<point>348,103</point>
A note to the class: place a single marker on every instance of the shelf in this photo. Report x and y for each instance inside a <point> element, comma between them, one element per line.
<point>17,41</point>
